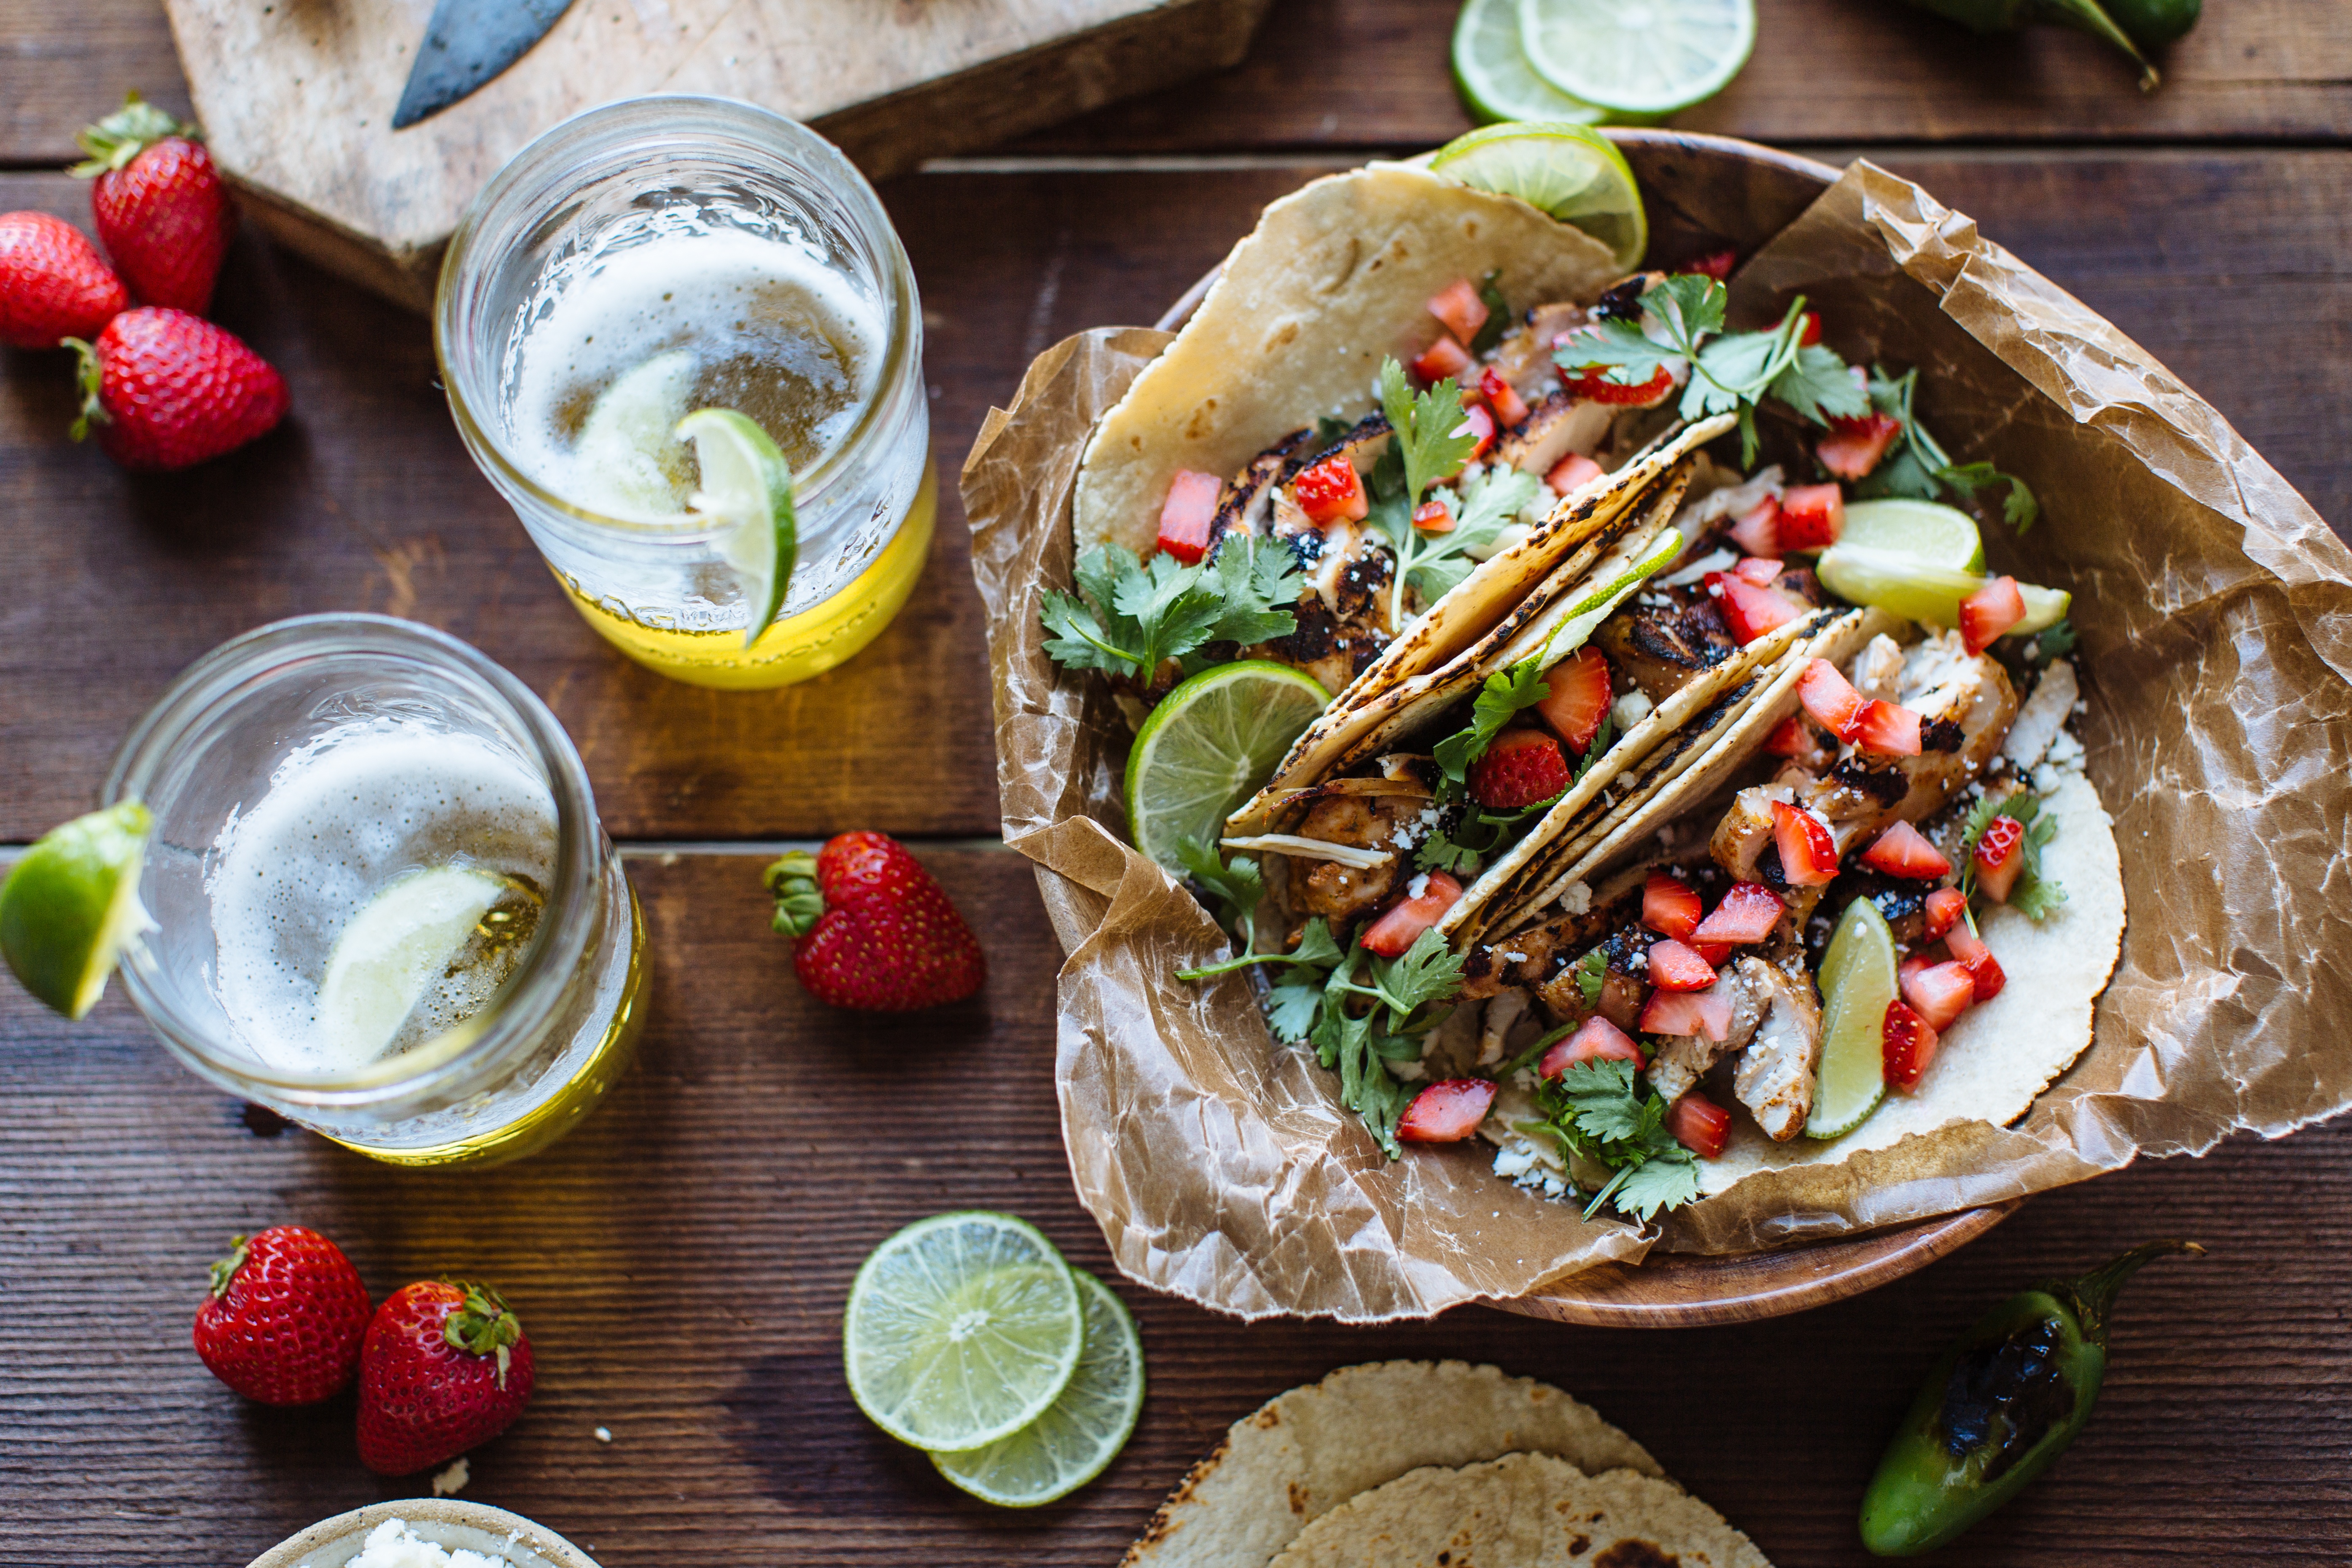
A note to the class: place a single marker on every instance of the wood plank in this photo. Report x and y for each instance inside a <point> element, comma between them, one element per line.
<point>64,64</point>
<point>681,1262</point>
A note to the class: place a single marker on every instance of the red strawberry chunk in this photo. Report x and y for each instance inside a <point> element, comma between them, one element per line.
<point>1446,1111</point>
<point>1749,610</point>
<point>1479,425</point>
<point>1674,967</point>
<point>1939,993</point>
<point>1807,853</point>
<point>1790,738</point>
<point>1596,1039</point>
<point>1578,698</point>
<point>1970,949</point>
<point>1887,728</point>
<point>1809,331</point>
<point>53,283</point>
<point>1439,361</point>
<point>1944,908</point>
<point>1716,264</point>
<point>1989,612</point>
<point>1857,444</point>
<point>1811,517</point>
<point>1699,1125</point>
<point>1907,1043</point>
<point>1671,905</point>
<point>1829,697</point>
<point>1591,384</point>
<point>1510,409</point>
<point>1760,570</point>
<point>1186,516</point>
<point>1396,929</point>
<point>1522,767</point>
<point>1705,1013</point>
<point>1430,517</point>
<point>1758,530</point>
<point>1714,952</point>
<point>1458,306</point>
<point>1999,856</point>
<point>1904,851</point>
<point>1572,473</point>
<point>1330,491</point>
<point>1748,913</point>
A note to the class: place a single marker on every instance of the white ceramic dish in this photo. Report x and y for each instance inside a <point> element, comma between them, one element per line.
<point>450,1521</point>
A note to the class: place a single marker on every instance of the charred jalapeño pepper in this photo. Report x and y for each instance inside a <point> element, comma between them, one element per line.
<point>1999,1406</point>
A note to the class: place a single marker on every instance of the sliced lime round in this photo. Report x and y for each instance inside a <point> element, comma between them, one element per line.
<point>960,1330</point>
<point>1492,73</point>
<point>747,487</point>
<point>629,458</point>
<point>1638,57</point>
<point>1571,172</point>
<point>396,948</point>
<point>71,905</point>
<point>1906,586</point>
<point>1208,747</point>
<point>1857,981</point>
<point>1926,532</point>
<point>1080,1433</point>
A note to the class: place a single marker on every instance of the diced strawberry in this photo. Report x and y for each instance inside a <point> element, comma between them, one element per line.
<point>1572,473</point>
<point>1904,851</point>
<point>1943,907</point>
<point>1856,444</point>
<point>1430,517</point>
<point>1807,853</point>
<point>1591,384</point>
<point>1748,913</point>
<point>1907,1043</point>
<point>1396,929</point>
<point>1671,905</point>
<point>1750,611</point>
<point>1970,949</point>
<point>1579,696</point>
<point>1811,517</point>
<point>1700,1126</point>
<point>1510,408</point>
<point>1990,611</point>
<point>1330,491</point>
<point>1189,512</point>
<point>1480,424</point>
<point>1674,967</point>
<point>1915,965</point>
<point>1758,530</point>
<point>1999,856</point>
<point>1714,952</point>
<point>1760,570</point>
<point>1522,767</point>
<point>1941,993</point>
<point>1596,1039</point>
<point>1716,264</point>
<point>1808,329</point>
<point>1790,738</point>
<point>1831,699</point>
<point>1446,1111</point>
<point>1439,360</point>
<point>1458,306</point>
<point>1888,728</point>
<point>1703,1013</point>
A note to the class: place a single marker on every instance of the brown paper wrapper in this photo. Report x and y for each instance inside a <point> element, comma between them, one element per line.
<point>2215,611</point>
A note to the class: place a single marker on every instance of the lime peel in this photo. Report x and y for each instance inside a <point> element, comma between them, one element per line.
<point>70,906</point>
<point>1208,746</point>
<point>747,488</point>
<point>1569,171</point>
<point>1638,57</point>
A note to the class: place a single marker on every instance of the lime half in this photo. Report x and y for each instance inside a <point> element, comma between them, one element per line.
<point>71,905</point>
<point>1491,70</point>
<point>1857,982</point>
<point>960,1330</point>
<point>1080,1433</point>
<point>1638,57</point>
<point>1208,747</point>
<point>747,488</point>
<point>1928,531</point>
<point>1571,172</point>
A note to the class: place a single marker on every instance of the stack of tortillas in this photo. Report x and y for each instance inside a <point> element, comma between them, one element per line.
<point>1416,1464</point>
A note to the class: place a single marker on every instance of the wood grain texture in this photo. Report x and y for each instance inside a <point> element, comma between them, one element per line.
<point>681,1263</point>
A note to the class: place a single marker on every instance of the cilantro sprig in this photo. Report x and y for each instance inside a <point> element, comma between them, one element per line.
<point>1129,617</point>
<point>1430,443</point>
<point>1603,1111</point>
<point>1431,563</point>
<point>2033,895</point>
<point>1919,465</point>
<point>1507,692</point>
<point>1236,885</point>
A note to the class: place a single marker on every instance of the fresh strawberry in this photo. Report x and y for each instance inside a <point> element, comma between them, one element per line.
<point>1750,611</point>
<point>168,389</point>
<point>1705,1013</point>
<point>1509,408</point>
<point>1700,1126</point>
<point>160,205</point>
<point>1904,851</point>
<point>1596,1039</point>
<point>871,930</point>
<point>445,1367</point>
<point>1941,993</point>
<point>1439,361</point>
<point>283,1321</point>
<point>1888,728</point>
<point>1522,768</point>
<point>1401,926</point>
<point>1760,570</point>
<point>1578,699</point>
<point>1906,1044</point>
<point>1716,264</point>
<point>54,285</point>
<point>1748,913</point>
<point>1674,967</point>
<point>1446,1111</point>
<point>1811,517</point>
<point>1856,444</point>
<point>1457,305</point>
<point>1790,738</point>
<point>1829,697</point>
<point>1330,491</point>
<point>1943,907</point>
<point>1990,611</point>
<point>1572,473</point>
<point>1430,517</point>
<point>1479,425</point>
<point>1999,856</point>
<point>1670,906</point>
<point>1188,514</point>
<point>1591,384</point>
<point>1758,530</point>
<point>1969,948</point>
<point>1808,854</point>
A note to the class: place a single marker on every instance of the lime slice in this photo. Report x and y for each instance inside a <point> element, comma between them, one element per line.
<point>1639,57</point>
<point>1491,70</point>
<point>1906,587</point>
<point>630,462</point>
<point>394,950</point>
<point>747,487</point>
<point>1928,531</point>
<point>1080,1433</point>
<point>1571,172</point>
<point>1208,747</point>
<point>71,905</point>
<point>1857,981</point>
<point>960,1330</point>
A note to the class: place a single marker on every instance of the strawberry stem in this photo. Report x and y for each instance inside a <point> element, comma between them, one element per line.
<point>791,881</point>
<point>224,1269</point>
<point>483,1325</point>
<point>122,135</point>
<point>87,375</point>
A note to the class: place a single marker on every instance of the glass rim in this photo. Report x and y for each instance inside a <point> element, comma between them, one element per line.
<point>901,302</point>
<point>210,687</point>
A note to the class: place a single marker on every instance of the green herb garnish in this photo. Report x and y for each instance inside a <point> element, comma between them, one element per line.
<point>1603,1110</point>
<point>1918,465</point>
<point>2033,895</point>
<point>1129,618</point>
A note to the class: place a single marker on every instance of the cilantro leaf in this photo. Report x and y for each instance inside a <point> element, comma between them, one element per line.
<point>1505,693</point>
<point>1291,1012</point>
<point>1081,641</point>
<point>2031,895</point>
<point>1602,1110</point>
<point>2059,640</point>
<point>1431,563</point>
<point>1920,467</point>
<point>1818,386</point>
<point>1428,971</point>
<point>1258,587</point>
<point>1237,885</point>
<point>1592,971</point>
<point>1667,1180</point>
<point>1129,618</point>
<point>2018,509</point>
<point>1425,431</point>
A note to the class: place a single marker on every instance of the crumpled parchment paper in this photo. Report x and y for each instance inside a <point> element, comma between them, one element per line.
<point>2215,611</point>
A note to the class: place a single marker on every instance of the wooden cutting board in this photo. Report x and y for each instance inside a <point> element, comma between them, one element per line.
<point>296,95</point>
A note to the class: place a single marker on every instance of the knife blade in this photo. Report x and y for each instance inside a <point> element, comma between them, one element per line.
<point>466,44</point>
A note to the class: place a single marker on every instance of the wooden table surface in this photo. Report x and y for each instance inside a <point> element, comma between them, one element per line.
<point>681,1261</point>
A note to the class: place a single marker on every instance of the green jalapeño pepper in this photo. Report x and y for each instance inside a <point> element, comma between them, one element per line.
<point>2130,25</point>
<point>1999,1406</point>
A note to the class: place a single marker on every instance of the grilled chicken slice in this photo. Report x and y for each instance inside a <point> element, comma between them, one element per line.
<point>1683,1059</point>
<point>1775,1074</point>
<point>1343,894</point>
<point>1553,428</point>
<point>1524,356</point>
<point>1663,637</point>
<point>1246,504</point>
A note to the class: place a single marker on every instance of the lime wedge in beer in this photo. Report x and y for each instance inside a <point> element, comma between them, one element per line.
<point>398,945</point>
<point>1492,72</point>
<point>747,488</point>
<point>1638,57</point>
<point>71,905</point>
<point>1858,981</point>
<point>1571,172</point>
<point>1080,1433</point>
<point>1926,532</point>
<point>630,460</point>
<point>1208,747</point>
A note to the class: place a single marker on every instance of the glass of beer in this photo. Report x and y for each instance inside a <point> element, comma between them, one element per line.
<point>664,255</point>
<point>382,905</point>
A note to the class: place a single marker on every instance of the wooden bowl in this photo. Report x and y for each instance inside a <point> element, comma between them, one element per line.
<point>450,1522</point>
<point>1708,193</point>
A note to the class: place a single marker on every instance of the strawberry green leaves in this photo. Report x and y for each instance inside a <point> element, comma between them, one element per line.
<point>1128,618</point>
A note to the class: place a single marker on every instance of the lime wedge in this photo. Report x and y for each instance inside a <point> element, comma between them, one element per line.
<point>960,1330</point>
<point>1857,982</point>
<point>630,462</point>
<point>747,487</point>
<point>1928,531</point>
<point>1571,172</point>
<point>1080,1433</point>
<point>1638,57</point>
<point>1906,587</point>
<point>394,950</point>
<point>1491,70</point>
<point>1208,747</point>
<point>71,905</point>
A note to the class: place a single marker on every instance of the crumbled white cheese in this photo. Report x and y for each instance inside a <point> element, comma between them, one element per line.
<point>1575,899</point>
<point>1631,709</point>
<point>1418,886</point>
<point>392,1544</point>
<point>1408,1072</point>
<point>451,1479</point>
<point>1514,957</point>
<point>2065,752</point>
<point>1877,669</point>
<point>1522,1162</point>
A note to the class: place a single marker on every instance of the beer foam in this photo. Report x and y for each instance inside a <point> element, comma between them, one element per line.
<point>345,815</point>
